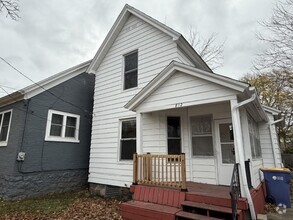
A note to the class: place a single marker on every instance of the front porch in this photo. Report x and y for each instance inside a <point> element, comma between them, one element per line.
<point>160,191</point>
<point>201,201</point>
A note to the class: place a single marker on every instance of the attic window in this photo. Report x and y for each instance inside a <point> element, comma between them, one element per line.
<point>62,126</point>
<point>130,70</point>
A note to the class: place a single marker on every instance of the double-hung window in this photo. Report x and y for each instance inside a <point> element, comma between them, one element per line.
<point>202,137</point>
<point>254,138</point>
<point>128,139</point>
<point>5,120</point>
<point>130,70</point>
<point>174,135</point>
<point>62,126</point>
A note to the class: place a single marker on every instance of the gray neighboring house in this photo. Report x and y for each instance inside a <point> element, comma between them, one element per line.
<point>45,132</point>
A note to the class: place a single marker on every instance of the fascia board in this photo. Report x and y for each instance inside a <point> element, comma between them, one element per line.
<point>54,80</point>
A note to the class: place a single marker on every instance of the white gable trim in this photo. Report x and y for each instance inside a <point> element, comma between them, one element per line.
<point>54,80</point>
<point>118,25</point>
<point>116,28</point>
<point>176,66</point>
<point>46,84</point>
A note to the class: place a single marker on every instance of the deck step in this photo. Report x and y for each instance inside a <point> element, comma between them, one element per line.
<point>204,206</point>
<point>188,215</point>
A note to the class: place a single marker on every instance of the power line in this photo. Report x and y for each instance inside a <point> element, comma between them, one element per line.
<point>43,87</point>
<point>28,111</point>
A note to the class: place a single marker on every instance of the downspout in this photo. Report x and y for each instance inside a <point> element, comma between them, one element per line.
<point>240,151</point>
<point>272,139</point>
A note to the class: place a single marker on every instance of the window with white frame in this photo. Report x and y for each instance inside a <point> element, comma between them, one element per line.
<point>254,138</point>
<point>130,70</point>
<point>127,139</point>
<point>62,126</point>
<point>202,137</point>
<point>5,121</point>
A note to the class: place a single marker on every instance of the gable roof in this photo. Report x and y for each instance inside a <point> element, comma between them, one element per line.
<point>176,66</point>
<point>45,84</point>
<point>118,25</point>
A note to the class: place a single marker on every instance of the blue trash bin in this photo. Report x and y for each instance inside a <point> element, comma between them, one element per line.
<point>277,182</point>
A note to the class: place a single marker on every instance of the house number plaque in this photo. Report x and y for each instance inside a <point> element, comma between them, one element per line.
<point>178,105</point>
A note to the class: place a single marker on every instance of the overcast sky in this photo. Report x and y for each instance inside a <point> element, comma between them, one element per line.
<point>54,35</point>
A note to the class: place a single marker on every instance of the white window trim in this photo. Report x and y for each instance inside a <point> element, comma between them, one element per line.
<point>181,131</point>
<point>4,143</point>
<point>203,135</point>
<point>62,138</point>
<point>123,70</point>
<point>124,161</point>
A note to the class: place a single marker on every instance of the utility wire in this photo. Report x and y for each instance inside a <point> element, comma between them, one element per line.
<point>28,111</point>
<point>42,86</point>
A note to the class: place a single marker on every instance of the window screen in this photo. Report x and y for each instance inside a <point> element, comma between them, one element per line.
<point>130,70</point>
<point>254,138</point>
<point>128,139</point>
<point>202,139</point>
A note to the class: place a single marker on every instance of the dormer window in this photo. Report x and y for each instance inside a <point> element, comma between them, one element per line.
<point>130,70</point>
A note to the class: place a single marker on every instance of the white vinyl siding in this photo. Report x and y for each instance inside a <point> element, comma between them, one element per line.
<point>266,144</point>
<point>155,51</point>
<point>186,90</point>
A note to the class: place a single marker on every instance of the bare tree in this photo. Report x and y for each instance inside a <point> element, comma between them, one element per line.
<point>278,36</point>
<point>11,7</point>
<point>208,49</point>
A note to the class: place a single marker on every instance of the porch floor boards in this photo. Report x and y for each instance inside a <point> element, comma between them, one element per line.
<point>167,203</point>
<point>208,190</point>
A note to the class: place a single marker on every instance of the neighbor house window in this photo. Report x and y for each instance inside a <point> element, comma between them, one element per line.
<point>202,137</point>
<point>62,126</point>
<point>128,139</point>
<point>5,120</point>
<point>174,135</point>
<point>130,70</point>
<point>254,138</point>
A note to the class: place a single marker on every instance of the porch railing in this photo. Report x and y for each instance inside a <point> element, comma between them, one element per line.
<point>161,170</point>
<point>235,192</point>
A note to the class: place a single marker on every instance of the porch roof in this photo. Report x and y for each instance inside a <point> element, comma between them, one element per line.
<point>213,79</point>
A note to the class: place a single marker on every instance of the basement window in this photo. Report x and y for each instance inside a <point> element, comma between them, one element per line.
<point>62,126</point>
<point>5,121</point>
<point>130,70</point>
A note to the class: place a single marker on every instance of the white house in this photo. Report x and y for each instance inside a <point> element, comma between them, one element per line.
<point>154,93</point>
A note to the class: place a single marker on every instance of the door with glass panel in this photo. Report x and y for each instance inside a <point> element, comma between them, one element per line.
<point>225,150</point>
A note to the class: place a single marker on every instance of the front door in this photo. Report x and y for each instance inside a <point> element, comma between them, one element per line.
<point>225,150</point>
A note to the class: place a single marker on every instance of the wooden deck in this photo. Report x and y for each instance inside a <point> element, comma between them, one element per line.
<point>201,201</point>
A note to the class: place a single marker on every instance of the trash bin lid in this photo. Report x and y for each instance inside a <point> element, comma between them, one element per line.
<point>275,169</point>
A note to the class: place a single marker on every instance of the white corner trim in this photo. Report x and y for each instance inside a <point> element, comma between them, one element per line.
<point>62,138</point>
<point>4,143</point>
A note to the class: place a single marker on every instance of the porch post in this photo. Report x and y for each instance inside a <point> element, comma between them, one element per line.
<point>139,124</point>
<point>239,151</point>
<point>237,139</point>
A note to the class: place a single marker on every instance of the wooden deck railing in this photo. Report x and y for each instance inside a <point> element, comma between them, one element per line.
<point>162,170</point>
